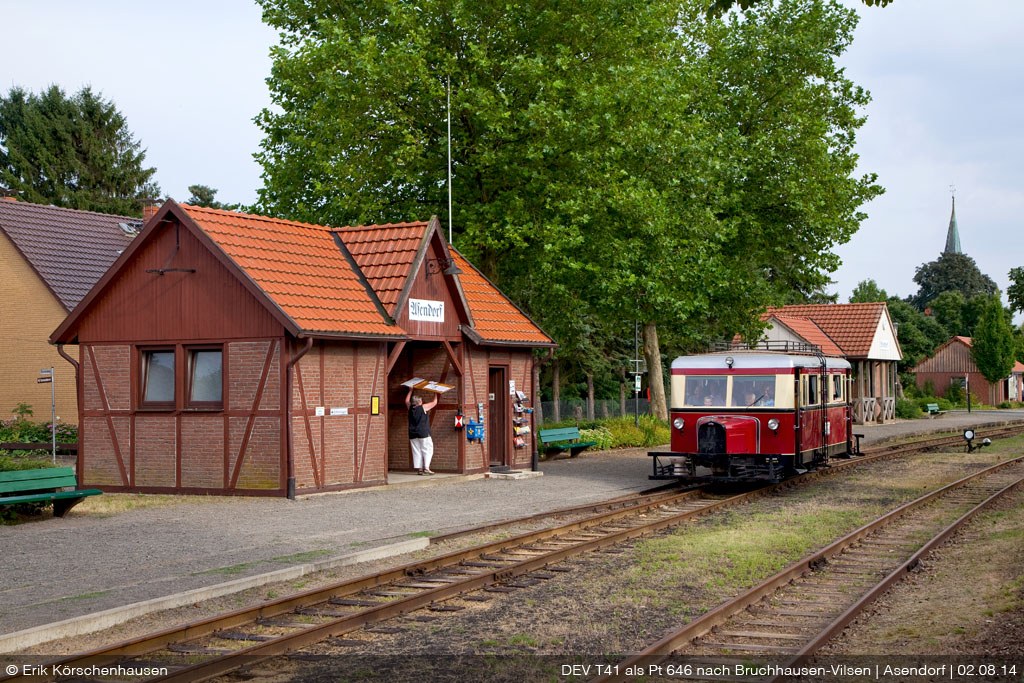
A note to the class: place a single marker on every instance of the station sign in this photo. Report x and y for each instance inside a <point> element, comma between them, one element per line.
<point>426,310</point>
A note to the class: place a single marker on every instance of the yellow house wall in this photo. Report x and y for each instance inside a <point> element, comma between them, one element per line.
<point>29,312</point>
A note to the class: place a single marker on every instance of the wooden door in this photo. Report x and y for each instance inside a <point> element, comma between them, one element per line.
<point>497,416</point>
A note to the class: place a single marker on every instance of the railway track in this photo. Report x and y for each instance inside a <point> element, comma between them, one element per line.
<point>226,642</point>
<point>788,617</point>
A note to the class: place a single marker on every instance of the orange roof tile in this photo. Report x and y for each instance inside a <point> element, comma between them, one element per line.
<point>495,318</point>
<point>851,326</point>
<point>811,333</point>
<point>385,253</point>
<point>300,268</point>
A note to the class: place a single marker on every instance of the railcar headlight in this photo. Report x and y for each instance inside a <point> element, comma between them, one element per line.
<point>773,424</point>
<point>679,423</point>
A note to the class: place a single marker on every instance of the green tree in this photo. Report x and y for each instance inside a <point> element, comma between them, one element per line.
<point>993,346</point>
<point>948,273</point>
<point>74,151</point>
<point>948,310</point>
<point>204,195</point>
<point>1015,292</point>
<point>718,7</point>
<point>639,161</point>
<point>919,334</point>
<point>867,291</point>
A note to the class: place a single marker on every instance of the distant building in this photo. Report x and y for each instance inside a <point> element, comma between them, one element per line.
<point>952,234</point>
<point>49,258</point>
<point>863,334</point>
<point>953,364</point>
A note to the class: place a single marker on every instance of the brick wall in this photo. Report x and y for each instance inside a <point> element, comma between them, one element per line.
<point>202,451</point>
<point>155,450</point>
<point>346,449</point>
<point>28,314</point>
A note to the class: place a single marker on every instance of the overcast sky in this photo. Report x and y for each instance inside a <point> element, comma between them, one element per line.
<point>945,78</point>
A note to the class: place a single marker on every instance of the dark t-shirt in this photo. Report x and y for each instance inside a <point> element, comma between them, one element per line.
<point>419,423</point>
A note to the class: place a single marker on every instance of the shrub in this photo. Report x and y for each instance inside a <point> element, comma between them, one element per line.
<point>955,393</point>
<point>601,436</point>
<point>907,409</point>
<point>1005,405</point>
<point>928,389</point>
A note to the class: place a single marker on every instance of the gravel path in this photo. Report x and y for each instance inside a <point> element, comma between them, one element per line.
<point>60,568</point>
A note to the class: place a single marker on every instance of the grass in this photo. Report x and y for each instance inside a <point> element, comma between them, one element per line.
<point>423,534</point>
<point>230,571</point>
<point>115,503</point>
<point>80,596</point>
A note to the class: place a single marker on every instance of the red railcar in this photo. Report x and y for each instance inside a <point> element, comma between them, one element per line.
<point>756,415</point>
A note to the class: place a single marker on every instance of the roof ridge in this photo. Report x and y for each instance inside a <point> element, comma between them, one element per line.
<point>381,226</point>
<point>254,217</point>
<point>51,207</point>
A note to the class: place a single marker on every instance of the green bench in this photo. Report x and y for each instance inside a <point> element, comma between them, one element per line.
<point>556,441</point>
<point>43,486</point>
<point>933,410</point>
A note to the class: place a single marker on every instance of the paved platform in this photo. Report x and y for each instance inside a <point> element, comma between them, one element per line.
<point>55,569</point>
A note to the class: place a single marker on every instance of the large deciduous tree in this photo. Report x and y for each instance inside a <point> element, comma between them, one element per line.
<point>993,345</point>
<point>951,272</point>
<point>73,151</point>
<point>613,160</point>
<point>867,291</point>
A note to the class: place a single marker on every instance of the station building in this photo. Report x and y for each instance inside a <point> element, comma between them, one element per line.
<point>229,353</point>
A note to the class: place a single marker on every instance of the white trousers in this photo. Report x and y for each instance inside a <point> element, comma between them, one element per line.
<point>422,452</point>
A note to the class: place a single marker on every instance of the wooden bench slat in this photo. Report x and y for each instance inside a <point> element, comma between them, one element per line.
<point>37,485</point>
<point>44,473</point>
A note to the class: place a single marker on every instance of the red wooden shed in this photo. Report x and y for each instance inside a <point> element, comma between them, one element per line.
<point>952,363</point>
<point>241,354</point>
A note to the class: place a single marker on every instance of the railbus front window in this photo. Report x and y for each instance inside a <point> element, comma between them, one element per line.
<point>754,390</point>
<point>705,391</point>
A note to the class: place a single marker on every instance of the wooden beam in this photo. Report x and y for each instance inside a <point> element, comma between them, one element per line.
<point>395,353</point>
<point>451,356</point>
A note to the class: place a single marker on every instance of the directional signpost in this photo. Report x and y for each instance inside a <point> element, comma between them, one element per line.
<point>46,376</point>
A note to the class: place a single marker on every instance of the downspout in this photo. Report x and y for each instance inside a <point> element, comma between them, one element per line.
<point>535,380</point>
<point>289,376</point>
<point>78,400</point>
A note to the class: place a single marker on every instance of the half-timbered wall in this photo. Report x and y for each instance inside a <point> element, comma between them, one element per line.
<point>236,449</point>
<point>339,450</point>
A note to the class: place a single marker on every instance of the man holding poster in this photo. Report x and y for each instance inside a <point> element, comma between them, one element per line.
<point>419,431</point>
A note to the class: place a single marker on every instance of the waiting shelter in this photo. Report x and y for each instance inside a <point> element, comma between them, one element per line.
<point>232,353</point>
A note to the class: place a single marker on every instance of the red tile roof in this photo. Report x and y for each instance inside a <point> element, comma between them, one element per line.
<point>300,267</point>
<point>385,254</point>
<point>810,332</point>
<point>68,248</point>
<point>495,318</point>
<point>851,326</point>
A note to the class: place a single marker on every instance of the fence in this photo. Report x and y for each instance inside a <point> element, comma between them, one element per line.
<point>577,409</point>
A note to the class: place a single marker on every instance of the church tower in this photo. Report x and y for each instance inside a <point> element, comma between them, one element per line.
<point>953,235</point>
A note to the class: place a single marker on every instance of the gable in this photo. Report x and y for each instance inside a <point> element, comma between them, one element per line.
<point>884,345</point>
<point>139,304</point>
<point>433,308</point>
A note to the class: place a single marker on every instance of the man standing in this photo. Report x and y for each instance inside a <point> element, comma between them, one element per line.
<point>419,432</point>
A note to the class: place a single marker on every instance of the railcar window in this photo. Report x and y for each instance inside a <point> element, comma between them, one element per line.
<point>705,391</point>
<point>812,390</point>
<point>754,390</point>
<point>837,387</point>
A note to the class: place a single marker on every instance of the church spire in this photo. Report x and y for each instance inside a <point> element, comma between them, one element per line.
<point>953,235</point>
